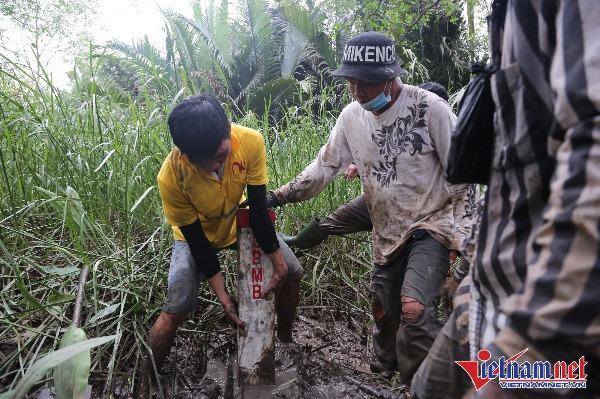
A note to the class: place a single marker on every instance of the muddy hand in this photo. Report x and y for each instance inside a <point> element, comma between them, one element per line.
<point>272,200</point>
<point>351,172</point>
<point>280,274</point>
<point>217,284</point>
<point>231,311</point>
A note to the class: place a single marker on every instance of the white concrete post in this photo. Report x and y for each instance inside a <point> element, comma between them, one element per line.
<point>256,344</point>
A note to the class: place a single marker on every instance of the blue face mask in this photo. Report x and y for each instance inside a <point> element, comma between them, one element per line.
<point>378,102</point>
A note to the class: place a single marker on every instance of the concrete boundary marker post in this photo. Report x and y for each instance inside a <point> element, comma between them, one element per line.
<point>256,343</point>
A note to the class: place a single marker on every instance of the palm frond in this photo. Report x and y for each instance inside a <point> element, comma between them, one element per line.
<point>254,28</point>
<point>280,92</point>
<point>184,41</point>
<point>295,51</point>
<point>303,28</point>
<point>132,66</point>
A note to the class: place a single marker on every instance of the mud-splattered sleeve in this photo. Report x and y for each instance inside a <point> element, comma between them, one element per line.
<point>332,160</point>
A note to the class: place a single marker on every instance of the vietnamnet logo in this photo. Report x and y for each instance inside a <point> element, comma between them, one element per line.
<point>511,374</point>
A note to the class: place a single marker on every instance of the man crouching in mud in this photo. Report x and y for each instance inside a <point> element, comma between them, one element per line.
<point>398,136</point>
<point>201,183</point>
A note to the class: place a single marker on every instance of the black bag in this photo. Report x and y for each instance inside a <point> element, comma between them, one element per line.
<point>472,142</point>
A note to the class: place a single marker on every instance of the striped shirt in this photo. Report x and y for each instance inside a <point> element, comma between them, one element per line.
<point>537,270</point>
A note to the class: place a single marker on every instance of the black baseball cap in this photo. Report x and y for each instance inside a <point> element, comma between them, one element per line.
<point>370,56</point>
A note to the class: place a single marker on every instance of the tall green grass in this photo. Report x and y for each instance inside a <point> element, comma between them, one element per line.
<point>78,187</point>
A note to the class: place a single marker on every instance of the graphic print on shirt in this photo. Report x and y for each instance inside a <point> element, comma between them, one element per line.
<point>470,203</point>
<point>404,135</point>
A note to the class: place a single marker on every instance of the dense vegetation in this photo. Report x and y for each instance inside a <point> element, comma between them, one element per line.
<point>78,167</point>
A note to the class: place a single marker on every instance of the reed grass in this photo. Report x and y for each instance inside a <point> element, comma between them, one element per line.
<point>78,187</point>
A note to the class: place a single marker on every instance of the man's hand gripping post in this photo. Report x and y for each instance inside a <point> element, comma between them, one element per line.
<point>280,274</point>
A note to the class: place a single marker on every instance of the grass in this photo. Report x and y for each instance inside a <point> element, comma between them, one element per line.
<point>78,187</point>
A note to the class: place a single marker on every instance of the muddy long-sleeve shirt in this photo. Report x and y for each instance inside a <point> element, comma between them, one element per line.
<point>537,271</point>
<point>401,156</point>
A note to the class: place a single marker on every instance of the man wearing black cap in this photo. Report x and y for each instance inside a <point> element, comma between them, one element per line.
<point>398,136</point>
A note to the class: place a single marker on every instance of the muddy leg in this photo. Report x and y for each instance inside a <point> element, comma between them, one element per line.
<point>385,314</point>
<point>286,296</point>
<point>286,300</point>
<point>385,306</point>
<point>160,340</point>
<point>426,269</point>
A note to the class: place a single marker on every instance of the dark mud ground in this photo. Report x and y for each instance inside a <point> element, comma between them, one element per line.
<point>329,359</point>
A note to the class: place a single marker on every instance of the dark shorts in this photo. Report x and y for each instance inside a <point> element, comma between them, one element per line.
<point>185,277</point>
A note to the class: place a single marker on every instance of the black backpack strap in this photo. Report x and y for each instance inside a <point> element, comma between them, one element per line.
<point>496,28</point>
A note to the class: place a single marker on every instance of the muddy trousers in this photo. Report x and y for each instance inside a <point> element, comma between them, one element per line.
<point>439,377</point>
<point>351,217</point>
<point>401,337</point>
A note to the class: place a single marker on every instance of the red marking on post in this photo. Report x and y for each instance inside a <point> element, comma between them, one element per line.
<point>257,275</point>
<point>256,256</point>
<point>256,272</point>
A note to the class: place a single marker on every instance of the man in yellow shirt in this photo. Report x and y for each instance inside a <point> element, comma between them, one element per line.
<point>201,183</point>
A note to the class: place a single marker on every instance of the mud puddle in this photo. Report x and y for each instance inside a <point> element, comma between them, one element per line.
<point>329,360</point>
<point>224,373</point>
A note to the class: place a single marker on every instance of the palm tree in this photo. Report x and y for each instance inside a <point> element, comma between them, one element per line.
<point>252,61</point>
<point>248,62</point>
<point>131,67</point>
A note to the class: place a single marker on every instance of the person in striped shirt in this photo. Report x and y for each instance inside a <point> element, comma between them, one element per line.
<point>536,277</point>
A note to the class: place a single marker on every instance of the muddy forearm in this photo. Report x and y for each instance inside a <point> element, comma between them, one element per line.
<point>309,183</point>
